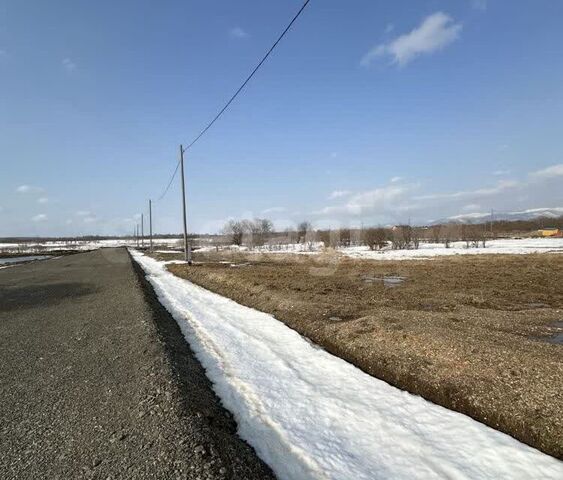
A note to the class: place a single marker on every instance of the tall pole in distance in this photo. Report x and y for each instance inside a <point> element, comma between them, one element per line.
<point>142,230</point>
<point>187,250</point>
<point>150,224</point>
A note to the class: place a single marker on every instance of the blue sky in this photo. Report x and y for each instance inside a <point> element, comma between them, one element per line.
<point>368,111</point>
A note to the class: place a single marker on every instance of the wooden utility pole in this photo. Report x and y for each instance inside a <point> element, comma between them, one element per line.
<point>142,230</point>
<point>150,224</point>
<point>187,248</point>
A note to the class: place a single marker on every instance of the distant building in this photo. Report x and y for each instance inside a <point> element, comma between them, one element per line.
<point>549,232</point>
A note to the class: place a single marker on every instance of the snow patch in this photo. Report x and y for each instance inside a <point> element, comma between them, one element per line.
<point>311,415</point>
<point>431,250</point>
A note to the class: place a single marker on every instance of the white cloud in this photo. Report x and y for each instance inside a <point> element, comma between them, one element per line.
<point>434,33</point>
<point>237,32</point>
<point>43,200</point>
<point>90,219</point>
<point>396,179</point>
<point>374,201</point>
<point>471,207</point>
<point>68,65</point>
<point>549,172</point>
<point>500,187</point>
<point>339,194</point>
<point>500,173</point>
<point>28,189</point>
<point>398,200</point>
<point>274,210</point>
<point>83,213</point>
<point>39,218</point>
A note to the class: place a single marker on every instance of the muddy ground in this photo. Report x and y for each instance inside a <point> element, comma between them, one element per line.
<point>476,334</point>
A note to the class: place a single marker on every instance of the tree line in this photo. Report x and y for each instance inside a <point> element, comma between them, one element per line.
<point>260,231</point>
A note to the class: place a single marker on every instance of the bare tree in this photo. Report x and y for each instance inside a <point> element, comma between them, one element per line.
<point>302,229</point>
<point>344,237</point>
<point>259,229</point>
<point>398,238</point>
<point>435,233</point>
<point>324,236</point>
<point>375,238</point>
<point>234,230</point>
<point>415,235</point>
<point>450,233</point>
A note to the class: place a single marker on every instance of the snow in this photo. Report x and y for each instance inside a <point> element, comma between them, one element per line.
<point>430,250</point>
<point>311,415</point>
<point>306,248</point>
<point>26,247</point>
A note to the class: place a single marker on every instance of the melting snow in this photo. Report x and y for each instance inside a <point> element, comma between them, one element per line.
<point>311,415</point>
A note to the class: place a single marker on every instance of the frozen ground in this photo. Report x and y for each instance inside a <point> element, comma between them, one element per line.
<point>429,250</point>
<point>311,415</point>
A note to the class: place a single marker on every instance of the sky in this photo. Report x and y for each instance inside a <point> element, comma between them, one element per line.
<point>368,112</point>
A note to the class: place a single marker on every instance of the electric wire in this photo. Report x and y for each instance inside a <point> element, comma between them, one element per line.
<point>235,95</point>
<point>210,124</point>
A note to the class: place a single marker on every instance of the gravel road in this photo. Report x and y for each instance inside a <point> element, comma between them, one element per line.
<point>96,380</point>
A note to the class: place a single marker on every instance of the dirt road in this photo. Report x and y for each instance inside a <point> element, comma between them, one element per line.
<point>97,382</point>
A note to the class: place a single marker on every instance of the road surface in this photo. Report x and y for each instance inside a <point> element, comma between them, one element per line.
<point>96,380</point>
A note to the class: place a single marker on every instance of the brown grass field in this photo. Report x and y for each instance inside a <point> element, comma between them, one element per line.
<point>471,333</point>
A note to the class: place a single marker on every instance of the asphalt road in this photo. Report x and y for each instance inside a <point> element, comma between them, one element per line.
<point>96,380</point>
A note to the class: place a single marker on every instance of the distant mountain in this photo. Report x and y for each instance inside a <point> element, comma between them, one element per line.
<point>480,217</point>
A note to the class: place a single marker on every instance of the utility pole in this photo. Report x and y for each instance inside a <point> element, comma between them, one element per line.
<point>187,248</point>
<point>142,230</point>
<point>150,224</point>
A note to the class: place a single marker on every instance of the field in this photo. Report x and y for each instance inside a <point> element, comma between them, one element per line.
<point>474,333</point>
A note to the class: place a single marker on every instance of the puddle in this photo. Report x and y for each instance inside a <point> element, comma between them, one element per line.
<point>23,259</point>
<point>537,305</point>
<point>388,281</point>
<point>557,337</point>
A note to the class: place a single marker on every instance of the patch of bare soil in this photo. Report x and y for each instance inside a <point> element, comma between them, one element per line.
<point>464,332</point>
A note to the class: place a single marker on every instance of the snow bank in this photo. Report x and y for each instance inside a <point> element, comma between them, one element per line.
<point>429,250</point>
<point>311,415</point>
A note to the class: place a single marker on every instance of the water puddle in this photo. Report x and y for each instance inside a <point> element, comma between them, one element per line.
<point>388,280</point>
<point>23,259</point>
<point>557,337</point>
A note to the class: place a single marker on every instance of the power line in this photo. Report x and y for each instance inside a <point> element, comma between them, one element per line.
<point>169,183</point>
<point>249,77</point>
<point>239,90</point>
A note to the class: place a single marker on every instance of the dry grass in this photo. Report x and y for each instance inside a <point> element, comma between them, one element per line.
<point>460,331</point>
